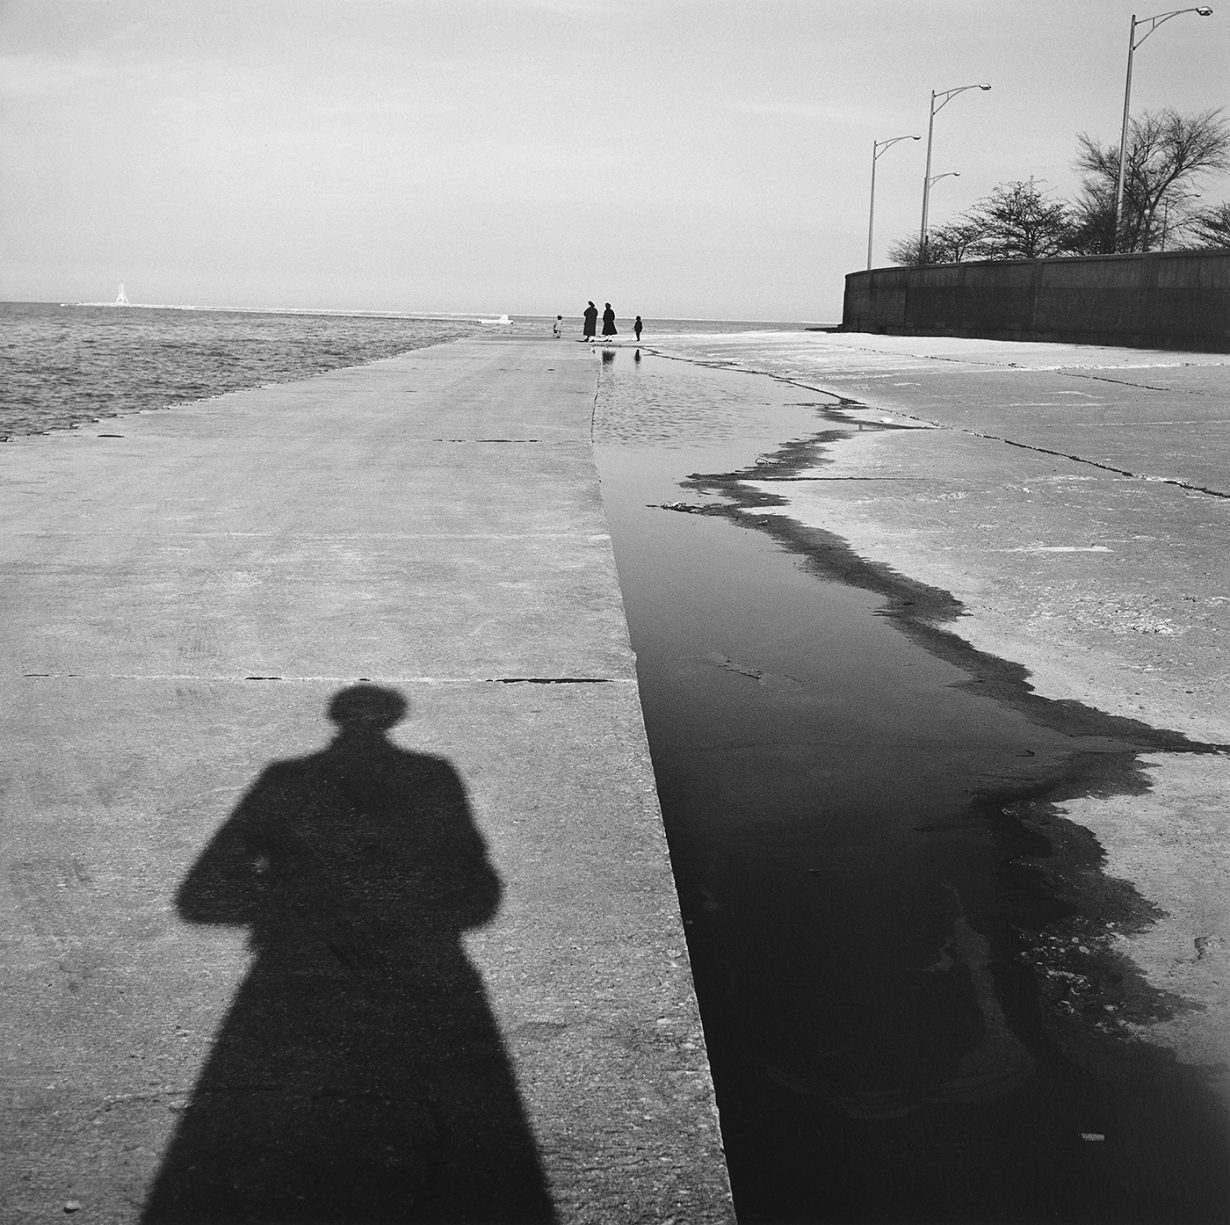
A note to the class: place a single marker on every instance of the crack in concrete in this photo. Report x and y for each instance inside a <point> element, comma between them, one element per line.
<point>334,680</point>
<point>1093,463</point>
<point>549,680</point>
<point>845,402</point>
<point>1105,378</point>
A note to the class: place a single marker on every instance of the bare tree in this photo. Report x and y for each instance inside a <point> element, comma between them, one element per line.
<point>1211,227</point>
<point>946,244</point>
<point>1018,221</point>
<point>1093,230</point>
<point>1167,153</point>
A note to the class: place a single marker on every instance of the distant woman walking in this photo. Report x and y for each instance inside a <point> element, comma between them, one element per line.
<point>608,321</point>
<point>590,315</point>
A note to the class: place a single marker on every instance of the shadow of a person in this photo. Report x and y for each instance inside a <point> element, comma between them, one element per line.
<point>359,1075</point>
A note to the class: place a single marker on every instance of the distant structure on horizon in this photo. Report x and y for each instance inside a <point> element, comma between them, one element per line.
<point>121,298</point>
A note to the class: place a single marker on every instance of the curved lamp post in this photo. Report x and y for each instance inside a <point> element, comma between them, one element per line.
<point>947,96</point>
<point>935,178</point>
<point>1133,43</point>
<point>877,148</point>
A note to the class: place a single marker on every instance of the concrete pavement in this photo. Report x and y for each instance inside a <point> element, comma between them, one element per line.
<point>205,962</point>
<point>1075,500</point>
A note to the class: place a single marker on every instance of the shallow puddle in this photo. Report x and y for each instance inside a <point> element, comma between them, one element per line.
<point>858,809</point>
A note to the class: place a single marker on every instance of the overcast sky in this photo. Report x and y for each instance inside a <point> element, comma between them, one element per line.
<point>685,158</point>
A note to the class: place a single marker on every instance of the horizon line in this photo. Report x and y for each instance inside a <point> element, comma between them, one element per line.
<point>411,314</point>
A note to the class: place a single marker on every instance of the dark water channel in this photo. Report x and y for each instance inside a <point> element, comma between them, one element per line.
<point>901,952</point>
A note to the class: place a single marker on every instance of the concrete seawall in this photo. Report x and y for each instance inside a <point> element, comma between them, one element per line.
<point>185,593</point>
<point>1163,300</point>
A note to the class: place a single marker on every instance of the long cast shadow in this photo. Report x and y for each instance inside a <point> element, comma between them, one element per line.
<point>360,1075</point>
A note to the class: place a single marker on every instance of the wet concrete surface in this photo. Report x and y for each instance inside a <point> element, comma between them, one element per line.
<point>1106,588</point>
<point>906,955</point>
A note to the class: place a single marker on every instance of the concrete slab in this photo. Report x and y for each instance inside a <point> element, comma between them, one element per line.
<point>470,397</point>
<point>240,605</point>
<point>261,965</point>
<point>1146,431</point>
<point>1157,415</point>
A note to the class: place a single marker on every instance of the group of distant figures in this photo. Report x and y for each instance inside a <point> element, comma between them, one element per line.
<point>590,326</point>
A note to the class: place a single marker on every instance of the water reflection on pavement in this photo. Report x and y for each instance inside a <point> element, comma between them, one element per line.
<point>844,803</point>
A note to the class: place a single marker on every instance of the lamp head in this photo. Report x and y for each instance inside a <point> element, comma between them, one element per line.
<point>1204,11</point>
<point>984,87</point>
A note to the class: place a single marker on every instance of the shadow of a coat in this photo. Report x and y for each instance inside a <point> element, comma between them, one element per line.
<point>360,1075</point>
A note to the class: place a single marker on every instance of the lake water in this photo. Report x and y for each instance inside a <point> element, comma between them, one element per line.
<point>61,365</point>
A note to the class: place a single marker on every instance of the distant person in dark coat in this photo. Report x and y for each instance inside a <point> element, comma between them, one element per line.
<point>590,315</point>
<point>636,327</point>
<point>608,321</point>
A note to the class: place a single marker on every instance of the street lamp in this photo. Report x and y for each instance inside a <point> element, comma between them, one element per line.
<point>931,182</point>
<point>1152,23</point>
<point>947,95</point>
<point>877,148</point>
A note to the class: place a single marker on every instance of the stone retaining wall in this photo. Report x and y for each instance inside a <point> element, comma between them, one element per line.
<point>1164,300</point>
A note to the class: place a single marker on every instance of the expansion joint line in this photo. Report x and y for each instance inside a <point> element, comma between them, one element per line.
<point>1105,378</point>
<point>846,402</point>
<point>1076,459</point>
<point>225,678</point>
<point>1093,463</point>
<point>1069,371</point>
